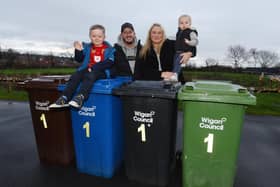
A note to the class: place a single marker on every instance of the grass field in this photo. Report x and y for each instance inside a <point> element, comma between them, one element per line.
<point>37,71</point>
<point>244,79</point>
<point>13,95</point>
<point>267,103</point>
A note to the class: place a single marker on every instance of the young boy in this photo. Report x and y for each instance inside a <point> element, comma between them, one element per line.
<point>186,41</point>
<point>96,57</point>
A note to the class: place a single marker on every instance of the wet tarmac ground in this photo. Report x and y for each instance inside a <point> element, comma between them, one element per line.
<point>258,161</point>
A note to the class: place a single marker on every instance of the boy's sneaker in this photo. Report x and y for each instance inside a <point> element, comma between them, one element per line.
<point>77,101</point>
<point>60,102</point>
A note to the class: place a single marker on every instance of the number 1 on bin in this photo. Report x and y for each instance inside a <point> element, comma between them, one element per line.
<point>43,118</point>
<point>142,129</point>
<point>210,140</point>
<point>87,127</point>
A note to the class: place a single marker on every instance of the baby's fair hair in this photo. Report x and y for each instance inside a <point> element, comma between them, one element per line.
<point>185,16</point>
<point>97,26</point>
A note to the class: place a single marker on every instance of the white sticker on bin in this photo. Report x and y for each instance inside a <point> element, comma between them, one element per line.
<point>145,117</point>
<point>144,120</point>
<point>87,111</point>
<point>213,124</point>
<point>42,105</point>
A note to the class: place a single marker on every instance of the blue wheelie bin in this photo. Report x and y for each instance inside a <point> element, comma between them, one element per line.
<point>98,130</point>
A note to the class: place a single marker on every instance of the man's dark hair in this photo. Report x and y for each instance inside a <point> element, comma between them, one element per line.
<point>126,25</point>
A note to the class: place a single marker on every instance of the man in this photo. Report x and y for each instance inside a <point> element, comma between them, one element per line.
<point>127,50</point>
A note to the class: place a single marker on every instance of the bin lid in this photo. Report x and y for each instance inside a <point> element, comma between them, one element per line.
<point>102,86</point>
<point>160,89</point>
<point>216,91</point>
<point>124,78</point>
<point>45,82</point>
<point>106,86</point>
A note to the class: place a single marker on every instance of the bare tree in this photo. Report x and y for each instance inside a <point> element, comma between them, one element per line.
<point>267,58</point>
<point>238,54</point>
<point>253,54</point>
<point>211,62</point>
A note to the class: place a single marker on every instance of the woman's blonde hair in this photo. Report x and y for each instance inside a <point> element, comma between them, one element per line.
<point>149,44</point>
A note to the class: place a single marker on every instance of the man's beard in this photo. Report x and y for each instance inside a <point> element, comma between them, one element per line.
<point>128,42</point>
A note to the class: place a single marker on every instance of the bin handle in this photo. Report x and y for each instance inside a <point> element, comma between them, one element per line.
<point>188,88</point>
<point>242,90</point>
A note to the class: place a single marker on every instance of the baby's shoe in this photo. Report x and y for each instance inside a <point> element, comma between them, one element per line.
<point>174,78</point>
<point>183,65</point>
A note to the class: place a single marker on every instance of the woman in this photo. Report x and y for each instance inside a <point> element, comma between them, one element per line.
<point>155,61</point>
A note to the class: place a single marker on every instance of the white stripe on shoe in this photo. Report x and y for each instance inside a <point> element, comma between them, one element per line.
<point>54,105</point>
<point>74,104</point>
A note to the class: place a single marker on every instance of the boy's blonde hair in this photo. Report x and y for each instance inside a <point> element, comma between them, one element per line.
<point>185,16</point>
<point>97,26</point>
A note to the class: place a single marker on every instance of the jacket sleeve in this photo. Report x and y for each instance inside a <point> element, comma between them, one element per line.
<point>79,56</point>
<point>193,39</point>
<point>107,63</point>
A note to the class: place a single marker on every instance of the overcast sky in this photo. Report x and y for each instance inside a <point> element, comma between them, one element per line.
<point>52,25</point>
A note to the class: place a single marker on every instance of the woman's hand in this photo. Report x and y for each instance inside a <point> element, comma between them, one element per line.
<point>166,74</point>
<point>78,45</point>
<point>185,57</point>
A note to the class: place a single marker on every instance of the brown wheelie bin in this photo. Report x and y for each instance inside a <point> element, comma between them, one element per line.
<point>52,128</point>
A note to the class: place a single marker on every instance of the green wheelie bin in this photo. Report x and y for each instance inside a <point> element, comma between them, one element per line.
<point>213,119</point>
